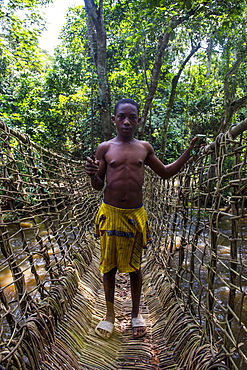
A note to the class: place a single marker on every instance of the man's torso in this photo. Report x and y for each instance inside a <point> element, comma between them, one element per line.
<point>125,173</point>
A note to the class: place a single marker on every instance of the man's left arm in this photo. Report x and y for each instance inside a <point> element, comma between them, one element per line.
<point>167,171</point>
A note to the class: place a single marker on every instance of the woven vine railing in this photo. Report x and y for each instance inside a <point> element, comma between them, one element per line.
<point>196,268</point>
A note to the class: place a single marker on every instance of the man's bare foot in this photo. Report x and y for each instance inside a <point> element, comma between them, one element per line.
<point>138,326</point>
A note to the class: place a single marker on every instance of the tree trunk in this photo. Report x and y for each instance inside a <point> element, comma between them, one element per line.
<point>162,45</point>
<point>171,101</point>
<point>97,39</point>
<point>231,106</point>
<point>209,56</point>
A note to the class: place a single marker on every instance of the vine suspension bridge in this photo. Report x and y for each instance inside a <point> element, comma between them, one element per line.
<point>194,273</point>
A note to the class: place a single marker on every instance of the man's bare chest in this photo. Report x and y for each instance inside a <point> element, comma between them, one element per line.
<point>126,156</point>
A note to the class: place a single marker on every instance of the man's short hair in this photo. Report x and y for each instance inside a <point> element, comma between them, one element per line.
<point>126,101</point>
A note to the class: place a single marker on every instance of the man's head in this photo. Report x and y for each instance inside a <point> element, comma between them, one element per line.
<point>127,101</point>
<point>126,117</point>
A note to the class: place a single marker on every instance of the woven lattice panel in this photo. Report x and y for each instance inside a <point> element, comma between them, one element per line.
<point>194,274</point>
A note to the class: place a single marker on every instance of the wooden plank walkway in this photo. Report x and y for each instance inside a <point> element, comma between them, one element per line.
<point>87,351</point>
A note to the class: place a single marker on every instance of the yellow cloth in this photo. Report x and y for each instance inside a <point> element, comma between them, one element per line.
<point>123,235</point>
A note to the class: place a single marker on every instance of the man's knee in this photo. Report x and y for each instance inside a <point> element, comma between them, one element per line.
<point>112,272</point>
<point>135,274</point>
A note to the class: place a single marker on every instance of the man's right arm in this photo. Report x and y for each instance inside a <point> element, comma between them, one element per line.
<point>96,169</point>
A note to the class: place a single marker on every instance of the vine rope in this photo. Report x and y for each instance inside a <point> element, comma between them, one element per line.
<point>195,280</point>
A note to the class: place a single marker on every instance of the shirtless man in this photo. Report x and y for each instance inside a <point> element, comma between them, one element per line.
<point>120,162</point>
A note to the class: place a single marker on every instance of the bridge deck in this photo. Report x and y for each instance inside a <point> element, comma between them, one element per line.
<point>121,351</point>
<point>85,350</point>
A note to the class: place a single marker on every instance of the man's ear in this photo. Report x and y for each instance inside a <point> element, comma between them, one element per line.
<point>113,119</point>
<point>139,120</point>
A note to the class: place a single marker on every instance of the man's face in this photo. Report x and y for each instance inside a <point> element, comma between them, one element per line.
<point>126,119</point>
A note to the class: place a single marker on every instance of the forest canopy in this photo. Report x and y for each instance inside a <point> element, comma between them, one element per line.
<point>184,62</point>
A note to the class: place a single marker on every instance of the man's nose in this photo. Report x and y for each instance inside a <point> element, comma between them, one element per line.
<point>126,121</point>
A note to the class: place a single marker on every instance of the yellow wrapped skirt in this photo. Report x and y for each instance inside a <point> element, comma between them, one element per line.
<point>123,235</point>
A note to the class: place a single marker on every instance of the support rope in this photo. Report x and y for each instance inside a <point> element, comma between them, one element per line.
<point>194,291</point>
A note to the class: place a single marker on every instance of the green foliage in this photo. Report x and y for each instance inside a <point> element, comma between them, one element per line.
<point>21,63</point>
<point>56,100</point>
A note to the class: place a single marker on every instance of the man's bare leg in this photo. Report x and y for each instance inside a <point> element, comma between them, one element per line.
<point>136,287</point>
<point>109,288</point>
